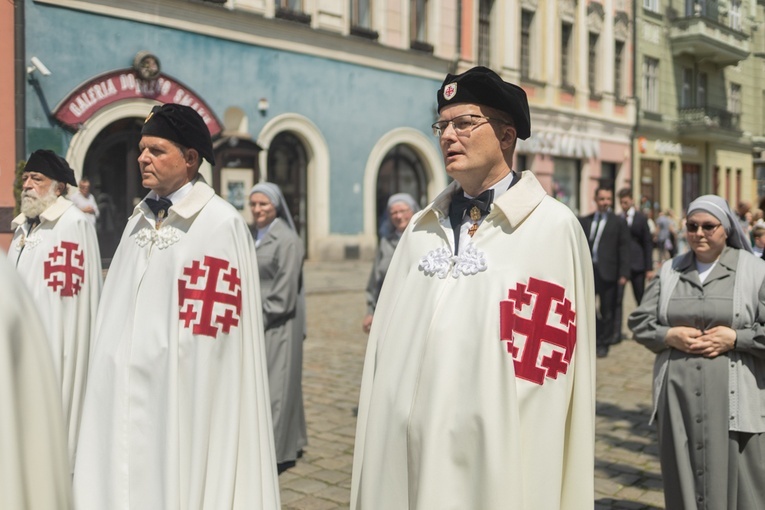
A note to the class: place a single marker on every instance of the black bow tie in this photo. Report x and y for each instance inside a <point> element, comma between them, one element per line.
<point>33,222</point>
<point>163,204</point>
<point>462,204</point>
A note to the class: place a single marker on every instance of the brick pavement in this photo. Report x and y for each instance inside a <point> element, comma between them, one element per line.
<point>627,474</point>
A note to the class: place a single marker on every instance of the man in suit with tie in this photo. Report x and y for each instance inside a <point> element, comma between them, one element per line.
<point>609,240</point>
<point>641,252</point>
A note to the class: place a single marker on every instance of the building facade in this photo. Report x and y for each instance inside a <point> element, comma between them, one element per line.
<point>574,59</point>
<point>700,97</point>
<point>8,126</point>
<point>332,100</point>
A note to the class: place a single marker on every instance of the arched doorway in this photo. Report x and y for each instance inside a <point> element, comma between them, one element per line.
<point>401,171</point>
<point>111,164</point>
<point>287,168</point>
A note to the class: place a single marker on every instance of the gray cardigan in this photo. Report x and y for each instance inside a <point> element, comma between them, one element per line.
<point>746,379</point>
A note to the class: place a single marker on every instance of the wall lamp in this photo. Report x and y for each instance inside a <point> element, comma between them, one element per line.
<point>263,106</point>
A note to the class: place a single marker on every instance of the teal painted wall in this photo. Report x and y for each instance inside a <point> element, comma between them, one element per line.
<point>353,106</point>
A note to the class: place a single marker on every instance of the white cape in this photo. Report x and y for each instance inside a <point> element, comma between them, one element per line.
<point>177,412</point>
<point>61,265</point>
<point>34,470</point>
<point>478,389</point>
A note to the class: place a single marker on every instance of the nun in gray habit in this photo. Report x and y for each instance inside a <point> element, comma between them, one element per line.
<point>704,317</point>
<point>280,266</point>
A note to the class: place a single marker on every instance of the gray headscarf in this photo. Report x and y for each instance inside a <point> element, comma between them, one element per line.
<point>719,208</point>
<point>274,194</point>
<point>405,198</point>
<point>386,228</point>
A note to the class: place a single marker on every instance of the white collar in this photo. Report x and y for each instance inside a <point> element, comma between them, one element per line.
<point>177,195</point>
<point>500,186</point>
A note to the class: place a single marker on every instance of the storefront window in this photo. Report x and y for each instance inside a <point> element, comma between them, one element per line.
<point>566,177</point>
<point>691,183</point>
<point>759,171</point>
<point>650,183</point>
<point>608,176</point>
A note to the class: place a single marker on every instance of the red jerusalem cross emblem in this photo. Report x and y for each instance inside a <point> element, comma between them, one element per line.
<point>210,297</point>
<point>537,322</point>
<point>64,270</point>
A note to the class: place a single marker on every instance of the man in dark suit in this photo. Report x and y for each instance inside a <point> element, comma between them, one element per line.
<point>609,240</point>
<point>641,254</point>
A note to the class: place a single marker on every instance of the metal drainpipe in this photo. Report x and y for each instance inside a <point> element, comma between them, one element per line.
<point>21,78</point>
<point>635,171</point>
<point>455,63</point>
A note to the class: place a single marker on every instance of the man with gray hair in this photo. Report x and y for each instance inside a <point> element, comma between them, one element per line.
<point>178,413</point>
<point>55,251</point>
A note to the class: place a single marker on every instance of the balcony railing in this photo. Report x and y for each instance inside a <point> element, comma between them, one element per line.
<point>704,118</point>
<point>701,35</point>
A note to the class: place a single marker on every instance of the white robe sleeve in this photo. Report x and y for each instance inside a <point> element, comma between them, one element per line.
<point>34,470</point>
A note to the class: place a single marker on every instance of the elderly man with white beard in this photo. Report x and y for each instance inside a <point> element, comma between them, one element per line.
<point>55,251</point>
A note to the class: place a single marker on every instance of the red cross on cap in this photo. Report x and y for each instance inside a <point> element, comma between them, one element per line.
<point>450,91</point>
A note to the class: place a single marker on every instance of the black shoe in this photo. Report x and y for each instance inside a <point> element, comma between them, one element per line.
<point>601,351</point>
<point>281,467</point>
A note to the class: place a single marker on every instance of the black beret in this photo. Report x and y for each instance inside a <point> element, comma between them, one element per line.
<point>180,124</point>
<point>51,165</point>
<point>480,85</point>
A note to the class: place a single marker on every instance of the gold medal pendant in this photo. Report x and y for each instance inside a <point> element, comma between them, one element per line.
<point>475,215</point>
<point>160,217</point>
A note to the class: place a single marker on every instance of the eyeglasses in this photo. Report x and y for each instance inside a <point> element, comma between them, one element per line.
<point>707,228</point>
<point>463,124</point>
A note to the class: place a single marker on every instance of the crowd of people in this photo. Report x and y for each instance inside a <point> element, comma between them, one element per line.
<point>163,374</point>
<point>176,382</point>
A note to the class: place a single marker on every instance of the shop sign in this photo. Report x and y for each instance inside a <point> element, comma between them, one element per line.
<point>115,86</point>
<point>674,148</point>
<point>569,145</point>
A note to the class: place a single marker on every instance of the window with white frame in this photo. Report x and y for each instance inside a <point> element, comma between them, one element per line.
<point>418,13</point>
<point>484,32</point>
<point>618,69</point>
<point>292,5</point>
<point>361,13</point>
<point>651,5</point>
<point>734,15</point>
<point>701,90</point>
<point>651,84</point>
<point>592,62</point>
<point>527,20</point>
<point>565,54</point>
<point>686,93</point>
<point>734,98</point>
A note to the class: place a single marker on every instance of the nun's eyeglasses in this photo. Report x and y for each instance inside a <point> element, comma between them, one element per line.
<point>706,228</point>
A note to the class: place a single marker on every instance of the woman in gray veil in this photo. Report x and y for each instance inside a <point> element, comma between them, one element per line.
<point>704,317</point>
<point>280,266</point>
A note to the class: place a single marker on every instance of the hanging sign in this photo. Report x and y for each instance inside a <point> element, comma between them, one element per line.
<point>125,84</point>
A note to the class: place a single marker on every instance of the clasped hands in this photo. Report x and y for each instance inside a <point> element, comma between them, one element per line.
<point>710,343</point>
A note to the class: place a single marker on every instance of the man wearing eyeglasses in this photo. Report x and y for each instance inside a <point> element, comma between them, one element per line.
<point>177,412</point>
<point>478,387</point>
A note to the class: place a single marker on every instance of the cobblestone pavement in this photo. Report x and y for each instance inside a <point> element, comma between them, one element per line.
<point>627,473</point>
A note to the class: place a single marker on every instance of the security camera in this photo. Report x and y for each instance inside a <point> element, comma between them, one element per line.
<point>38,65</point>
